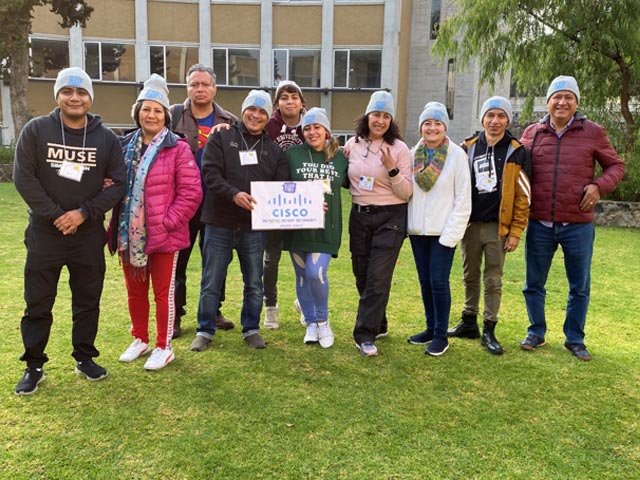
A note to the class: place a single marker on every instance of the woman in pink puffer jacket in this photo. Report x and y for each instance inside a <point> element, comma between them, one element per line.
<point>151,225</point>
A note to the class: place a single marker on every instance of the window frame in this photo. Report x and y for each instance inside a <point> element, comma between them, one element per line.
<point>49,38</point>
<point>349,69</point>
<point>226,48</point>
<point>287,75</point>
<point>182,76</point>
<point>100,42</point>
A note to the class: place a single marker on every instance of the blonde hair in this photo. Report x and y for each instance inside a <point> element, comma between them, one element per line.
<point>331,148</point>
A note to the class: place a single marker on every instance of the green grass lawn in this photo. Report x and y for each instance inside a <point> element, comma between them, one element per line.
<point>294,411</point>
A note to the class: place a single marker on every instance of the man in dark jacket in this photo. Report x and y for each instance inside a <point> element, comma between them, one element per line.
<point>195,119</point>
<point>500,199</point>
<point>565,192</point>
<point>232,159</point>
<point>61,161</point>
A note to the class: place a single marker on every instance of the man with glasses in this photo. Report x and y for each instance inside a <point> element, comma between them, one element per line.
<point>195,119</point>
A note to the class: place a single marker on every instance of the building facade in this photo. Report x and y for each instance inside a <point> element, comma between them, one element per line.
<point>338,51</point>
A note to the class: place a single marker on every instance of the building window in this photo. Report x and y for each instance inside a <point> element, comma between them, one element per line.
<point>357,68</point>
<point>110,61</point>
<point>435,18</point>
<point>342,137</point>
<point>301,66</point>
<point>237,66</point>
<point>451,86</point>
<point>48,57</point>
<point>172,62</point>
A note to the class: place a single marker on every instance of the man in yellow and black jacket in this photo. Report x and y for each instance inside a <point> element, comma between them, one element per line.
<point>501,197</point>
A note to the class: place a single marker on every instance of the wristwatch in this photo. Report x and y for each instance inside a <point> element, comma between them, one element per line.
<point>393,172</point>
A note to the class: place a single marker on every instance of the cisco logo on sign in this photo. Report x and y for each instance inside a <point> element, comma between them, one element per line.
<point>289,203</point>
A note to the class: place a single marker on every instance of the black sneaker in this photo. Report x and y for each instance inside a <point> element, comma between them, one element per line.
<point>422,338</point>
<point>531,342</point>
<point>28,384</point>
<point>437,347</point>
<point>579,351</point>
<point>91,370</point>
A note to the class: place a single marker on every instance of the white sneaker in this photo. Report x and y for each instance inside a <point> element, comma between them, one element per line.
<point>271,318</point>
<point>160,358</point>
<point>325,334</point>
<point>135,350</point>
<point>296,305</point>
<point>312,334</point>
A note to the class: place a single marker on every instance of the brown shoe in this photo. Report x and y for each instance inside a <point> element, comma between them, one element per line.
<point>223,324</point>
<point>177,331</point>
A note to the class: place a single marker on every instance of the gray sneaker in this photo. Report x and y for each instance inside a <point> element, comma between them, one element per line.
<point>255,340</point>
<point>200,343</point>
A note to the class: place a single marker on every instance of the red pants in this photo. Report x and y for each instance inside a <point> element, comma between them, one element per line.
<point>161,273</point>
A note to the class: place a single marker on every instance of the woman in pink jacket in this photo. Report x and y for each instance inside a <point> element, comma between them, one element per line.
<point>152,224</point>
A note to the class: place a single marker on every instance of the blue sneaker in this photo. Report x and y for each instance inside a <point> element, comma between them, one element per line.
<point>437,347</point>
<point>422,338</point>
<point>532,342</point>
<point>368,349</point>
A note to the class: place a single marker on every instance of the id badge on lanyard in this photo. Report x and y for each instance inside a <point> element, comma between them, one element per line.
<point>71,171</point>
<point>248,157</point>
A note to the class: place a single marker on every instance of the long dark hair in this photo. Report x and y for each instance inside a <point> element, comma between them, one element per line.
<point>362,130</point>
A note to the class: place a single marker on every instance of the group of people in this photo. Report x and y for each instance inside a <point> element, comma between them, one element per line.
<point>184,174</point>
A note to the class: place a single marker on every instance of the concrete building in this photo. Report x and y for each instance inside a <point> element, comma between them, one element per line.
<point>338,51</point>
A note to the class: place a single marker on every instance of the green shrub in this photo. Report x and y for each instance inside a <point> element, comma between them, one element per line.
<point>6,154</point>
<point>628,189</point>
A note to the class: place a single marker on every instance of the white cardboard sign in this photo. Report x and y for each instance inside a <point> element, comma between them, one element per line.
<point>287,205</point>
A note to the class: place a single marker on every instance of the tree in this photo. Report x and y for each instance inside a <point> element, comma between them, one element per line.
<point>596,42</point>
<point>16,17</point>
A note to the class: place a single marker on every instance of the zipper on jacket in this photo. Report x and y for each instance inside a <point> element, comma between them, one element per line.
<point>555,179</point>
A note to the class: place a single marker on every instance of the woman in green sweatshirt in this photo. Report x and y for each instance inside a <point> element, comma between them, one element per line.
<point>319,158</point>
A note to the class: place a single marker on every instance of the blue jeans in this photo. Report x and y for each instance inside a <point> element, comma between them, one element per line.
<point>576,240</point>
<point>433,262</point>
<point>312,285</point>
<point>217,253</point>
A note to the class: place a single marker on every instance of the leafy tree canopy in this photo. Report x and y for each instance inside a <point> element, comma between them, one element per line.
<point>596,42</point>
<point>16,17</point>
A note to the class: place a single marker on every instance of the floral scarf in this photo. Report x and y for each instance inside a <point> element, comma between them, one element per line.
<point>428,165</point>
<point>132,227</point>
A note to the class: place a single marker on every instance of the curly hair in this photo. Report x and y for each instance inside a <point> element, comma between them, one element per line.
<point>362,130</point>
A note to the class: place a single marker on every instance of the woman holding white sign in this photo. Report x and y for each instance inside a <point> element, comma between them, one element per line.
<point>381,185</point>
<point>319,158</point>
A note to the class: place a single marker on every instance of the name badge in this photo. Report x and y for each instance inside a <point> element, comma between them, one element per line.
<point>248,158</point>
<point>366,183</point>
<point>72,171</point>
<point>326,186</point>
<point>486,183</point>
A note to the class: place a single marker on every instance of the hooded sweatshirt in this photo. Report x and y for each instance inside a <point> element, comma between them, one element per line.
<point>44,144</point>
<point>283,135</point>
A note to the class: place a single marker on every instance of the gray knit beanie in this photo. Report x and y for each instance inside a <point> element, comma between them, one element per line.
<point>434,111</point>
<point>316,115</point>
<point>258,99</point>
<point>72,77</point>
<point>381,101</point>
<point>156,90</point>
<point>496,102</point>
<point>564,82</point>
